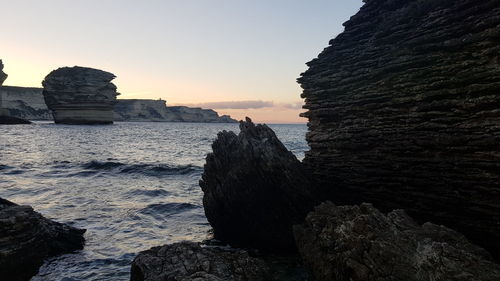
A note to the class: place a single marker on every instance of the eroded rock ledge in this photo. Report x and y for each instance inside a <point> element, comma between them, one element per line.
<point>403,111</point>
<point>27,238</point>
<point>80,95</point>
<point>255,189</point>
<point>359,243</point>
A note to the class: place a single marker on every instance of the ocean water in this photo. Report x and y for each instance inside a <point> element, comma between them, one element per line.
<point>131,185</point>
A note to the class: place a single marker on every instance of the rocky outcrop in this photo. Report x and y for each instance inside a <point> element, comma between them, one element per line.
<point>27,238</point>
<point>403,111</point>
<point>3,75</point>
<point>157,110</point>
<point>359,243</point>
<point>25,102</point>
<point>254,189</point>
<point>188,261</point>
<point>80,95</point>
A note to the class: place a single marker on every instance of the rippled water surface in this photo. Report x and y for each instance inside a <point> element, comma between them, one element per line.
<point>131,185</point>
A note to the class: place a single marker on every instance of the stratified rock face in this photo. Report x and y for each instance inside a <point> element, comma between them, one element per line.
<point>254,189</point>
<point>24,102</point>
<point>27,238</point>
<point>188,261</point>
<point>403,112</point>
<point>80,95</point>
<point>3,75</point>
<point>358,243</point>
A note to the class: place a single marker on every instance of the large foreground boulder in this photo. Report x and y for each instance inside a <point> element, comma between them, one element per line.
<point>80,95</point>
<point>189,261</point>
<point>27,238</point>
<point>403,111</point>
<point>255,190</point>
<point>359,243</point>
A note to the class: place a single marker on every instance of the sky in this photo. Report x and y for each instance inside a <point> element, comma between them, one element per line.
<point>238,57</point>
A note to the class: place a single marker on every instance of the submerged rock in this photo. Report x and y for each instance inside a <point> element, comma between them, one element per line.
<point>403,111</point>
<point>27,238</point>
<point>189,261</point>
<point>254,189</point>
<point>358,243</point>
<point>80,95</point>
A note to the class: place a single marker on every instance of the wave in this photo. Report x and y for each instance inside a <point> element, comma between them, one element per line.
<point>157,170</point>
<point>168,208</point>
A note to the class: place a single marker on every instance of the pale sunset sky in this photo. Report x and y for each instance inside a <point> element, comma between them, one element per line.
<point>238,57</point>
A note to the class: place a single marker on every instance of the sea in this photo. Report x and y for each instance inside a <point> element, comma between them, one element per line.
<point>131,185</point>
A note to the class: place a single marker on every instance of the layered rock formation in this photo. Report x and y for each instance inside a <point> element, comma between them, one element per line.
<point>157,110</point>
<point>27,238</point>
<point>80,95</point>
<point>254,189</point>
<point>403,111</point>
<point>188,261</point>
<point>359,243</point>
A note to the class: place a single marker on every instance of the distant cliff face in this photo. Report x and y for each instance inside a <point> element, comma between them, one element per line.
<point>156,110</point>
<point>26,103</point>
<point>404,112</point>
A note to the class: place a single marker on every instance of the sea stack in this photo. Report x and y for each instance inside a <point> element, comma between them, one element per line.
<point>403,111</point>
<point>80,95</point>
<point>3,75</point>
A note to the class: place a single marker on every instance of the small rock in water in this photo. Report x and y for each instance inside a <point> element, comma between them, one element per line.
<point>255,189</point>
<point>27,238</point>
<point>358,243</point>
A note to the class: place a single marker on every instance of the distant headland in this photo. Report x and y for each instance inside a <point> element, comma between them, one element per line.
<point>28,103</point>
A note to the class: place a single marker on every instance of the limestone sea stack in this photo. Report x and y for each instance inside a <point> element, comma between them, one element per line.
<point>404,112</point>
<point>80,95</point>
<point>27,238</point>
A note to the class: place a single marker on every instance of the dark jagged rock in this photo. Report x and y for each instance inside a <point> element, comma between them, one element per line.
<point>80,95</point>
<point>403,111</point>
<point>254,189</point>
<point>9,120</point>
<point>27,238</point>
<point>188,261</point>
<point>358,243</point>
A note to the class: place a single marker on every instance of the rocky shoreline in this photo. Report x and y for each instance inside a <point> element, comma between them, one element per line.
<point>400,183</point>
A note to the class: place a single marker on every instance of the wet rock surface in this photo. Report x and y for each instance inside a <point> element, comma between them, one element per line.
<point>189,261</point>
<point>27,238</point>
<point>255,189</point>
<point>360,243</point>
<point>403,111</point>
<point>80,95</point>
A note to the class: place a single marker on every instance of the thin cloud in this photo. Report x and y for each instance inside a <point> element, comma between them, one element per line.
<point>234,104</point>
